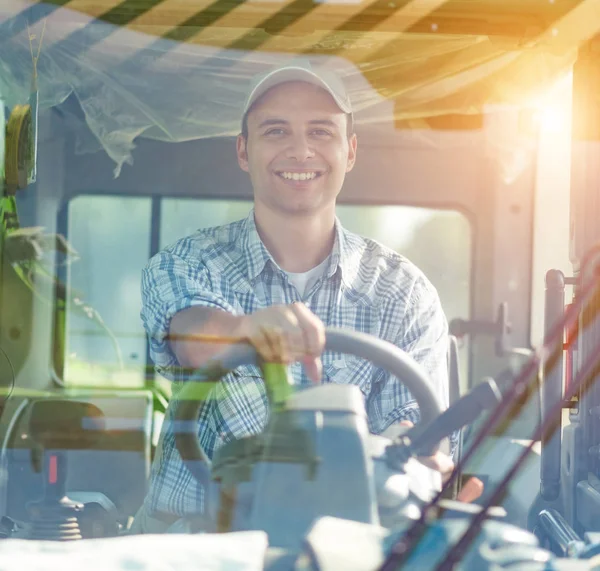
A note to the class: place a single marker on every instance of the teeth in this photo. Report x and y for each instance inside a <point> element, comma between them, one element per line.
<point>298,175</point>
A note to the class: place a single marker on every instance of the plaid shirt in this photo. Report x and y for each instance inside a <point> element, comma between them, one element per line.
<point>366,287</point>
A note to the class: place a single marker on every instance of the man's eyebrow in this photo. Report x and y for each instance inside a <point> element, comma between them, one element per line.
<point>326,122</point>
<point>275,121</point>
<point>270,122</point>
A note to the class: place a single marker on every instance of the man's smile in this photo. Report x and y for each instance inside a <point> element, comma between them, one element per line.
<point>298,175</point>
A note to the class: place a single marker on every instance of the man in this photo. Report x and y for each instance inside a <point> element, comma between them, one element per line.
<point>279,276</point>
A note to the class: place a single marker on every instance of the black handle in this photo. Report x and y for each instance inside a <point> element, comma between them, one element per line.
<point>557,530</point>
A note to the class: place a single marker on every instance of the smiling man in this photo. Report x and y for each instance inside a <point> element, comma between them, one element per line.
<point>278,277</point>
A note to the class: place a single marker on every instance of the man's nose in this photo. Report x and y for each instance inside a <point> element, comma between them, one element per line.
<point>300,148</point>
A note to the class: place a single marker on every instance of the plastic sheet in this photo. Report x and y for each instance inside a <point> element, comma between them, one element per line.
<point>130,83</point>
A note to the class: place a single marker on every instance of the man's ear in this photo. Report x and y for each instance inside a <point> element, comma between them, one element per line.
<point>242,152</point>
<point>352,144</point>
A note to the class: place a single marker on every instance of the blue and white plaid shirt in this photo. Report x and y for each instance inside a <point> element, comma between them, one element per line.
<point>366,287</point>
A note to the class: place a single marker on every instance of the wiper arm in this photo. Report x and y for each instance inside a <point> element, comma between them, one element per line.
<point>464,411</point>
<point>421,440</point>
<point>547,355</point>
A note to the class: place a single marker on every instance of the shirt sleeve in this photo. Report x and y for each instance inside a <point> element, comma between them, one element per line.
<point>171,284</point>
<point>423,334</point>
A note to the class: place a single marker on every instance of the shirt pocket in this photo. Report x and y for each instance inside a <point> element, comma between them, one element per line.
<point>348,370</point>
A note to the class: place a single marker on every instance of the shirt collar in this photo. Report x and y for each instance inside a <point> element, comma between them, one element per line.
<point>344,254</point>
<point>256,254</point>
<point>337,252</point>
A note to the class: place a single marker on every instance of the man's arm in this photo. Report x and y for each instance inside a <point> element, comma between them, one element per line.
<point>282,333</point>
<point>185,310</point>
<point>424,336</point>
<point>421,330</point>
<point>171,285</point>
<point>426,340</point>
<point>190,331</point>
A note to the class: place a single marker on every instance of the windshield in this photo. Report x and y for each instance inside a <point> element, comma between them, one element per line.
<point>270,263</point>
<point>108,278</point>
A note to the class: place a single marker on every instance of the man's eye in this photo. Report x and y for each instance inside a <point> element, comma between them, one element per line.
<point>321,133</point>
<point>275,131</point>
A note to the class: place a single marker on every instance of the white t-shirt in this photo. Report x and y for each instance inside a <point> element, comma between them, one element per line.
<point>306,280</point>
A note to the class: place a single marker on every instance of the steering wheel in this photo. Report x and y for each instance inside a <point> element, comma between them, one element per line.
<point>382,354</point>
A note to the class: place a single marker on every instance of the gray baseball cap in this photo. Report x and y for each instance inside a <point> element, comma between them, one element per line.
<point>300,70</point>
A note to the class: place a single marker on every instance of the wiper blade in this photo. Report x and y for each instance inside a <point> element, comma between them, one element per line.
<point>546,355</point>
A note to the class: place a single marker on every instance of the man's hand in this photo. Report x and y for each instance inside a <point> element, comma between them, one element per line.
<point>442,463</point>
<point>287,333</point>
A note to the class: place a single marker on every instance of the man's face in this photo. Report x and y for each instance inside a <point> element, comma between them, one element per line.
<point>297,151</point>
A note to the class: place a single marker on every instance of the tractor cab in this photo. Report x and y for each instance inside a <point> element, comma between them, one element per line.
<point>477,126</point>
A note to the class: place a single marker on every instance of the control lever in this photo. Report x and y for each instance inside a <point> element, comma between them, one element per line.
<point>58,426</point>
<point>422,439</point>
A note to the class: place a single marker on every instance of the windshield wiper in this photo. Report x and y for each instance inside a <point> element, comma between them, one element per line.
<point>421,440</point>
<point>464,411</point>
<point>547,355</point>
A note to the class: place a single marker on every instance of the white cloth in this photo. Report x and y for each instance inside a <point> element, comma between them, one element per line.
<point>238,551</point>
<point>304,281</point>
